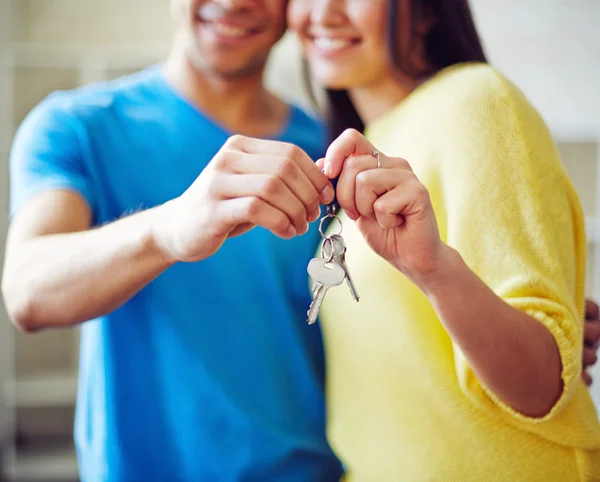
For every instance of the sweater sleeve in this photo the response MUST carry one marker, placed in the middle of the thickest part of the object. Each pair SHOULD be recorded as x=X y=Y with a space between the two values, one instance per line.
x=513 y=215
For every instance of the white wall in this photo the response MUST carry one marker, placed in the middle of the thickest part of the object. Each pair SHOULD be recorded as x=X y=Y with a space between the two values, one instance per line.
x=99 y=22
x=551 y=49
x=5 y=330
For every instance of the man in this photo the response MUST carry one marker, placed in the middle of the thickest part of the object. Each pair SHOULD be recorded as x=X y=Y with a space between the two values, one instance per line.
x=199 y=364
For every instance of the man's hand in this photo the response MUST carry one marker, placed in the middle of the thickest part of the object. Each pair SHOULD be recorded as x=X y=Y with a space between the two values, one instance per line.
x=591 y=338
x=249 y=183
x=56 y=268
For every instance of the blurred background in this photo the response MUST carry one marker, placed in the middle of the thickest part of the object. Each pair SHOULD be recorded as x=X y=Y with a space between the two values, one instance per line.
x=550 y=48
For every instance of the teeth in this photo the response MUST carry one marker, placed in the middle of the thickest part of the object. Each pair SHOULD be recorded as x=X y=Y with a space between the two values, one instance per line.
x=230 y=31
x=326 y=43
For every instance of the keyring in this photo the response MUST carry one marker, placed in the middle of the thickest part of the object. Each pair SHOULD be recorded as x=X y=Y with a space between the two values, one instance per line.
x=326 y=217
x=328 y=238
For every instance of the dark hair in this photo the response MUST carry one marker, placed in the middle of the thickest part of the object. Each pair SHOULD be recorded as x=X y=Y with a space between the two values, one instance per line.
x=453 y=39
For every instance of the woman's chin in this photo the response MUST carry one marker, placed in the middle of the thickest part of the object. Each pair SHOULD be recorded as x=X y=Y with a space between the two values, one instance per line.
x=334 y=82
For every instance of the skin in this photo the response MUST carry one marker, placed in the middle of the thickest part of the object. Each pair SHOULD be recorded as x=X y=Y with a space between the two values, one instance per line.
x=56 y=264
x=345 y=45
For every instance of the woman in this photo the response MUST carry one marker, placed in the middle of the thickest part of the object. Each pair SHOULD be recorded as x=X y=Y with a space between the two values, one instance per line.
x=462 y=360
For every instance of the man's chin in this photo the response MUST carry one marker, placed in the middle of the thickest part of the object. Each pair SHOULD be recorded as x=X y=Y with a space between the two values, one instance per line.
x=233 y=72
x=231 y=63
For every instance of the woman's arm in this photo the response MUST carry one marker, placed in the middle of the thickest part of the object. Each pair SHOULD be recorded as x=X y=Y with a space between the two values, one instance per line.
x=516 y=329
x=511 y=353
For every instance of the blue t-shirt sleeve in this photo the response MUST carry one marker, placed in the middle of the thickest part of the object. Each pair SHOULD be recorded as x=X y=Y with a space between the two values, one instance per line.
x=47 y=153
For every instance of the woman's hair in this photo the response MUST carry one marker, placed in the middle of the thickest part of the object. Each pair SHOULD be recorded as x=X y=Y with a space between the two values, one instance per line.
x=452 y=39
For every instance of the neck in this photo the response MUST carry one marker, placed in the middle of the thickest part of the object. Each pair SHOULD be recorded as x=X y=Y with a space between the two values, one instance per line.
x=241 y=105
x=373 y=101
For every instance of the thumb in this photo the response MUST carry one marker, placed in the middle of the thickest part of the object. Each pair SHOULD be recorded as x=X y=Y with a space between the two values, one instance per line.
x=349 y=143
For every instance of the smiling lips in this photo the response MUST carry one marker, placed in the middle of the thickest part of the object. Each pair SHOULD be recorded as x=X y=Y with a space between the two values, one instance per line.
x=333 y=45
x=227 y=25
x=227 y=30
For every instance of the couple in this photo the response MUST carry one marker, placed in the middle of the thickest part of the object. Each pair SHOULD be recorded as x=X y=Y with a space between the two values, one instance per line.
x=463 y=359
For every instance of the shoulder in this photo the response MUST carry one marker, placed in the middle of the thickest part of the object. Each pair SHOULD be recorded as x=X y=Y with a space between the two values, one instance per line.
x=475 y=113
x=458 y=105
x=481 y=93
x=489 y=133
x=85 y=104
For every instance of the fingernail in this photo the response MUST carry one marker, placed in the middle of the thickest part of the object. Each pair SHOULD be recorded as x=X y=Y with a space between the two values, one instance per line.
x=290 y=232
x=352 y=215
x=305 y=229
x=327 y=194
x=314 y=215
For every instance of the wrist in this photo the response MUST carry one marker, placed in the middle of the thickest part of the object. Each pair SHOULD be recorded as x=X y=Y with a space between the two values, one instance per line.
x=158 y=239
x=445 y=272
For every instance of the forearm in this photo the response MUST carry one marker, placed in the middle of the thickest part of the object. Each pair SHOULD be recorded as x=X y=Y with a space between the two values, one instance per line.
x=511 y=353
x=64 y=279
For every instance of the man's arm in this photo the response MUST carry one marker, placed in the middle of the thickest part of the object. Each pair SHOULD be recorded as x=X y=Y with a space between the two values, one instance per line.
x=59 y=272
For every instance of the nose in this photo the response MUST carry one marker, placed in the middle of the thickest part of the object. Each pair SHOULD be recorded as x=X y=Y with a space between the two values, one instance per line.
x=328 y=12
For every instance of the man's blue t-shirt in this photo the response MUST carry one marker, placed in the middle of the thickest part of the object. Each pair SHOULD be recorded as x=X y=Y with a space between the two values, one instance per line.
x=210 y=373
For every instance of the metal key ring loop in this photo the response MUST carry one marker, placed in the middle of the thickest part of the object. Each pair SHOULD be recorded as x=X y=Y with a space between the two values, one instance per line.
x=326 y=217
x=325 y=240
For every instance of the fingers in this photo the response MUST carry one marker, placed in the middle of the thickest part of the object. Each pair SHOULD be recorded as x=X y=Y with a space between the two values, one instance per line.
x=410 y=200
x=282 y=169
x=346 y=186
x=241 y=229
x=592 y=311
x=374 y=183
x=349 y=143
x=589 y=357
x=587 y=378
x=591 y=333
x=286 y=152
x=361 y=182
x=388 y=208
x=256 y=212
x=270 y=189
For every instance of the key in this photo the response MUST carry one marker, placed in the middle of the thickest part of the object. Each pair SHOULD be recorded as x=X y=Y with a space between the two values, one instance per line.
x=339 y=257
x=326 y=242
x=324 y=275
x=326 y=253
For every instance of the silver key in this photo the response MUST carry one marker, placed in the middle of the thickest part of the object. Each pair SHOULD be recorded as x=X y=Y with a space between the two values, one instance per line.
x=324 y=274
x=329 y=257
x=339 y=257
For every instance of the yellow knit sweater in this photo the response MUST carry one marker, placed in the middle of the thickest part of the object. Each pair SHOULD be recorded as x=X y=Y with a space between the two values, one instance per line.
x=403 y=403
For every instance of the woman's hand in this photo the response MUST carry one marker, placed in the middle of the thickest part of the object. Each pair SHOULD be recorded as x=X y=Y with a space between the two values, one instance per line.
x=591 y=338
x=391 y=207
